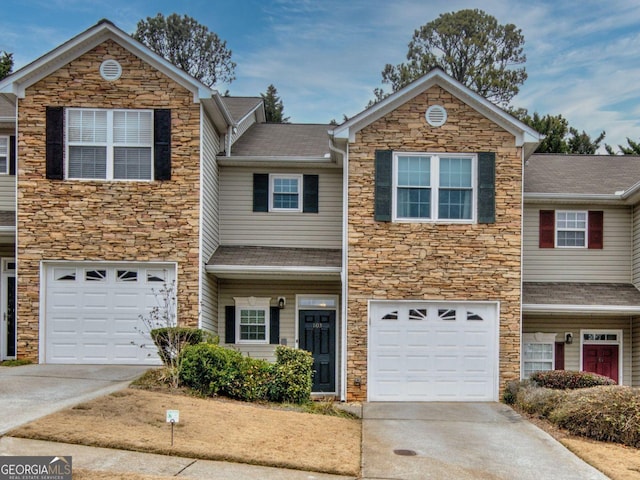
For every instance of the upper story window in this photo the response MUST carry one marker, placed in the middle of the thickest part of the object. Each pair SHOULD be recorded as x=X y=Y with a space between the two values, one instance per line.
x=4 y=154
x=571 y=229
x=109 y=144
x=285 y=193
x=430 y=187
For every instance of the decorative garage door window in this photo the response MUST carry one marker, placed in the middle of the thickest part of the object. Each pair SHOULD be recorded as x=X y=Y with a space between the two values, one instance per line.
x=127 y=275
x=95 y=275
x=433 y=351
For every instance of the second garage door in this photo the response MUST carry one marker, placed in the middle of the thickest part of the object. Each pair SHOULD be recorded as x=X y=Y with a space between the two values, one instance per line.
x=424 y=351
x=92 y=312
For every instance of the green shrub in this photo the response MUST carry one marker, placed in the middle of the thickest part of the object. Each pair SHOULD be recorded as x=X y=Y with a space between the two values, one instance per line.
x=292 y=376
x=568 y=379
x=171 y=340
x=609 y=413
x=251 y=380
x=209 y=368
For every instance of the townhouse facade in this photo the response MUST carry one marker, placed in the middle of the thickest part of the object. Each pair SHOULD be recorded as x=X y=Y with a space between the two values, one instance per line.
x=398 y=247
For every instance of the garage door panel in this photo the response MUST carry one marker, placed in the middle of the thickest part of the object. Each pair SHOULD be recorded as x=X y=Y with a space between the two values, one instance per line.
x=438 y=352
x=92 y=312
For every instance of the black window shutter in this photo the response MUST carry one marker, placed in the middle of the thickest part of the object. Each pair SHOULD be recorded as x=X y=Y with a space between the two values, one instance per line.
x=383 y=186
x=486 y=187
x=310 y=193
x=12 y=155
x=260 y=192
x=230 y=324
x=55 y=143
x=162 y=144
x=274 y=325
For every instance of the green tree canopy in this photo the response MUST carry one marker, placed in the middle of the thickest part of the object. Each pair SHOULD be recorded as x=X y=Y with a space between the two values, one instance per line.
x=633 y=148
x=273 y=106
x=472 y=47
x=189 y=45
x=560 y=137
x=6 y=64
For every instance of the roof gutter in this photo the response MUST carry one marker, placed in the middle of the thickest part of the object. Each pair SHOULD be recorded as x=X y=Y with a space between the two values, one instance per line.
x=574 y=197
x=599 y=309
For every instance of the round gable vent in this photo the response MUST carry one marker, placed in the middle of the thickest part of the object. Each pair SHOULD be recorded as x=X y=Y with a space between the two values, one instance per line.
x=110 y=70
x=436 y=115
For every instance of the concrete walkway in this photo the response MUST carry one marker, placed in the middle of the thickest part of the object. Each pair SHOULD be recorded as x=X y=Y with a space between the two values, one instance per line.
x=418 y=441
x=33 y=391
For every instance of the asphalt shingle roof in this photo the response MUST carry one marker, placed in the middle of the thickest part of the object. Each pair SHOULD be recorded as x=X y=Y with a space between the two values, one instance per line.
x=580 y=174
x=557 y=293
x=276 y=257
x=239 y=106
x=283 y=140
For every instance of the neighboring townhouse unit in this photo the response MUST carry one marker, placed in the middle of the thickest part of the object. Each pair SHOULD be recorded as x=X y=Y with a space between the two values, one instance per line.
x=581 y=306
x=393 y=246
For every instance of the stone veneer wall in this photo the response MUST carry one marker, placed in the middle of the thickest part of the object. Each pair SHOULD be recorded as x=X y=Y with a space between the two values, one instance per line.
x=98 y=220
x=427 y=261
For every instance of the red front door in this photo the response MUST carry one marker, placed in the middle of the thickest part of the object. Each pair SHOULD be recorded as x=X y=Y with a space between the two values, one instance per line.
x=601 y=359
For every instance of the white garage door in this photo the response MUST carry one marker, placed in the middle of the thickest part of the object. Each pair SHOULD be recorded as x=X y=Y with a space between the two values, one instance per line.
x=92 y=312
x=423 y=351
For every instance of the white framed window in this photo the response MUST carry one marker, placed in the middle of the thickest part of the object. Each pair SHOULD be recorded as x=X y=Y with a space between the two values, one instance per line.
x=285 y=193
x=109 y=144
x=4 y=154
x=252 y=319
x=571 y=229
x=538 y=353
x=434 y=187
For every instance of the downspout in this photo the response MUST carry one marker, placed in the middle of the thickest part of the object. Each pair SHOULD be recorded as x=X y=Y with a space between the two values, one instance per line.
x=343 y=271
x=227 y=147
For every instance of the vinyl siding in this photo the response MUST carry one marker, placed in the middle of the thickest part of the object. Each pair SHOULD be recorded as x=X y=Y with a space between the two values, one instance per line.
x=8 y=193
x=560 y=324
x=210 y=231
x=635 y=359
x=636 y=246
x=274 y=289
x=239 y=225
x=609 y=265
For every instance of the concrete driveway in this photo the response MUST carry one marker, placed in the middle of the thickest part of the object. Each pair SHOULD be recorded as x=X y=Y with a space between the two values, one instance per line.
x=32 y=391
x=417 y=441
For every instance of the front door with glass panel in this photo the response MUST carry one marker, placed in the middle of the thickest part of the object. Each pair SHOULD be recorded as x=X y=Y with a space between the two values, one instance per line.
x=8 y=310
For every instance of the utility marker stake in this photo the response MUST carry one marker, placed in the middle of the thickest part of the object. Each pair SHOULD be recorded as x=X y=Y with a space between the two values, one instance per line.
x=173 y=417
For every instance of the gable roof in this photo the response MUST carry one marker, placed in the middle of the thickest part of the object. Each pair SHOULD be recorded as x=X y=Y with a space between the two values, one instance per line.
x=283 y=140
x=525 y=136
x=17 y=83
x=579 y=175
x=240 y=107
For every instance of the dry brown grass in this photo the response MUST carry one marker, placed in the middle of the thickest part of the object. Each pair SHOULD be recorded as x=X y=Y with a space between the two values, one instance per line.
x=209 y=429
x=82 y=474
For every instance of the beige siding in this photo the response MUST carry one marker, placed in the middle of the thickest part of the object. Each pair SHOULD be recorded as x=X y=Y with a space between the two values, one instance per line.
x=561 y=324
x=636 y=246
x=274 y=289
x=8 y=193
x=239 y=225
x=210 y=225
x=635 y=358
x=611 y=264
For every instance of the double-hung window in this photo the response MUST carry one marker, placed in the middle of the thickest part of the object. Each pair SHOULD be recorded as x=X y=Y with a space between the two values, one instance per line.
x=432 y=187
x=4 y=154
x=252 y=316
x=109 y=144
x=538 y=353
x=285 y=193
x=571 y=229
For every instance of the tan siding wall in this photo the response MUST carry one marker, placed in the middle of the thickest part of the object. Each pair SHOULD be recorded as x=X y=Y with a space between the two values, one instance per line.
x=210 y=223
x=560 y=324
x=8 y=193
x=239 y=225
x=274 y=289
x=610 y=264
x=97 y=220
x=426 y=260
x=636 y=246
x=635 y=345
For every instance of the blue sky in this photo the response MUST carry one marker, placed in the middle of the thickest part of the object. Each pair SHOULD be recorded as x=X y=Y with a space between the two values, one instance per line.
x=325 y=57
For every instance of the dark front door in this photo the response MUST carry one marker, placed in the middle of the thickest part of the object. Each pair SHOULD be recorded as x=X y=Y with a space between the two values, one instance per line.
x=317 y=330
x=601 y=359
x=10 y=317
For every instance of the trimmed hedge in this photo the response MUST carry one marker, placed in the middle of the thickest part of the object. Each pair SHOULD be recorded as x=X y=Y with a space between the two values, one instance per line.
x=214 y=370
x=569 y=379
x=171 y=340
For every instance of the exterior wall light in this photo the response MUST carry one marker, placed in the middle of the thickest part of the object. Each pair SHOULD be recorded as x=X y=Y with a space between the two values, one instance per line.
x=281 y=302
x=568 y=338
